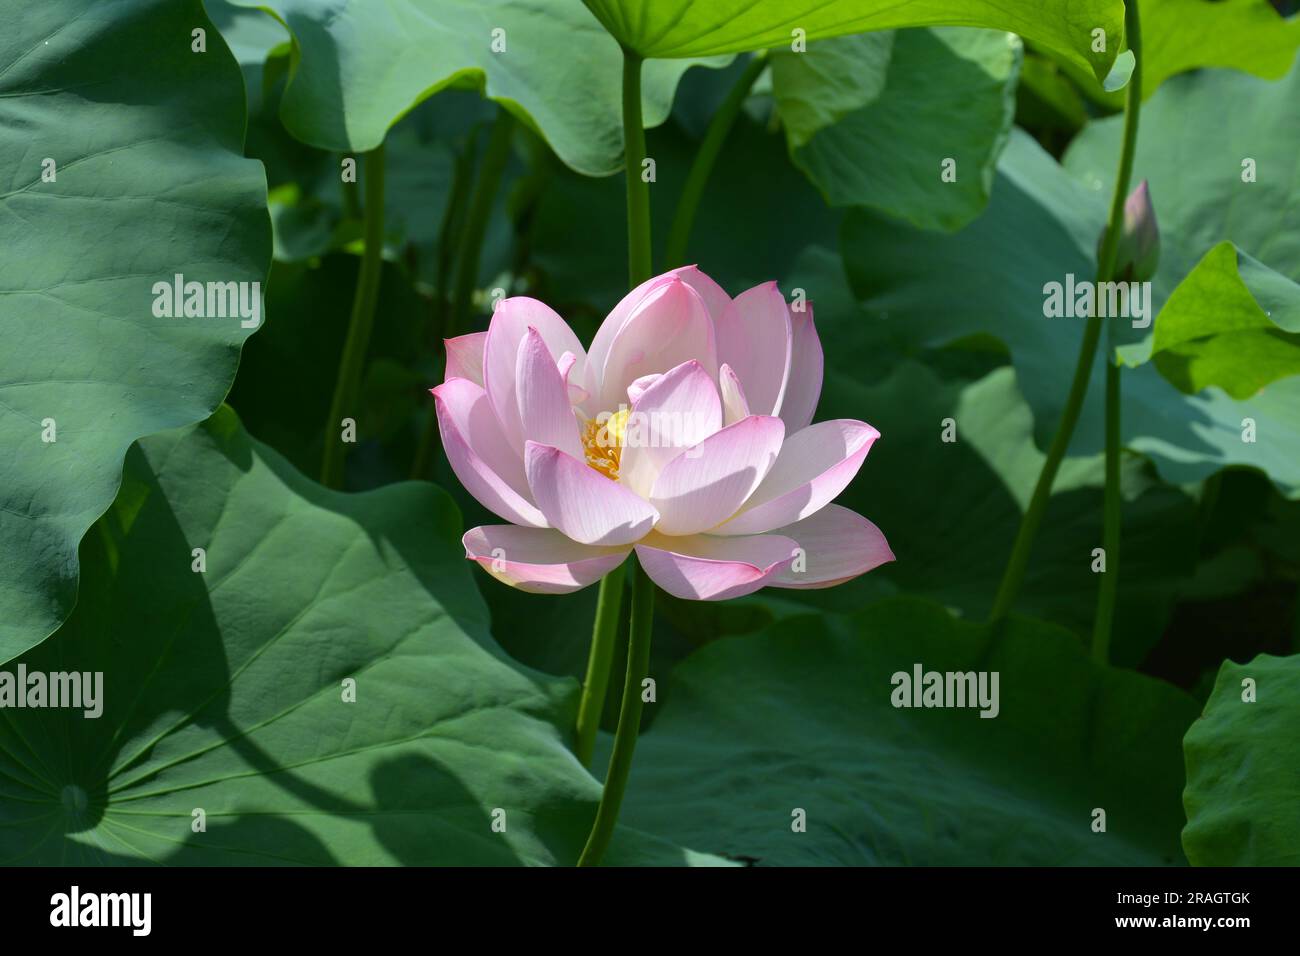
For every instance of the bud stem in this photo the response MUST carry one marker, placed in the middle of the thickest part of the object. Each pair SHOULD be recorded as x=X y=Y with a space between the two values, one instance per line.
x=1014 y=575
x=1108 y=589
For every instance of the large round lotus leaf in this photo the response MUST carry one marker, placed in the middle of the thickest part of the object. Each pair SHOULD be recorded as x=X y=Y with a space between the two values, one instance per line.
x=289 y=675
x=122 y=150
x=796 y=726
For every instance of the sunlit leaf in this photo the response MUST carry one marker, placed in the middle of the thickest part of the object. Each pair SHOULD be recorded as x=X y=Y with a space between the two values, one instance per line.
x=1233 y=322
x=1088 y=32
x=910 y=122
x=360 y=67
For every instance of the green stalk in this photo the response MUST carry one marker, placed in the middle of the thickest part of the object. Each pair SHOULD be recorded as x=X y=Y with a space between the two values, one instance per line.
x=1033 y=517
x=455 y=319
x=629 y=718
x=1014 y=574
x=640 y=267
x=1107 y=593
x=452 y=225
x=452 y=218
x=599 y=661
x=495 y=157
x=639 y=264
x=705 y=159
x=361 y=321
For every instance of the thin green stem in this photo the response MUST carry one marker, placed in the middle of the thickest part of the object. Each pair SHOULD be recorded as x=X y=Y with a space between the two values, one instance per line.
x=639 y=268
x=455 y=316
x=1132 y=111
x=1033 y=517
x=495 y=157
x=453 y=217
x=629 y=717
x=604 y=634
x=449 y=230
x=1108 y=589
x=639 y=262
x=705 y=159
x=361 y=321
x=1013 y=576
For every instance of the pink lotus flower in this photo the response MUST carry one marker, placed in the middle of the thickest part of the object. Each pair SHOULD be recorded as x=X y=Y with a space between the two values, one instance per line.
x=682 y=434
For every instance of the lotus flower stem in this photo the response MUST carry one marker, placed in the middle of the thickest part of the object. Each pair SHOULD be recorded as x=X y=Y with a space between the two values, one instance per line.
x=639 y=261
x=1013 y=576
x=639 y=268
x=705 y=158
x=629 y=717
x=1112 y=517
x=495 y=157
x=604 y=634
x=360 y=322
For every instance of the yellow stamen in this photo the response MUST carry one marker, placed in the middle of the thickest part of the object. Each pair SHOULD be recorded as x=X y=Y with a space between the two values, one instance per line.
x=603 y=442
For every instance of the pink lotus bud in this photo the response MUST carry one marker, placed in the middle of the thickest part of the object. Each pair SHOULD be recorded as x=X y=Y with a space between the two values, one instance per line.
x=1139 y=242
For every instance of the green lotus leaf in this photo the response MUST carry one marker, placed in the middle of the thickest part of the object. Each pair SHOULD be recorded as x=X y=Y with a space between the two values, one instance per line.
x=1086 y=32
x=787 y=747
x=123 y=149
x=910 y=122
x=1233 y=322
x=1243 y=768
x=289 y=675
x=358 y=68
